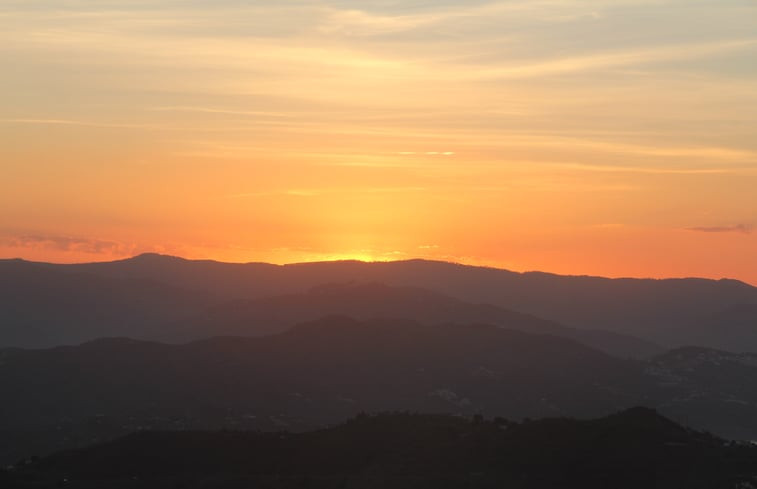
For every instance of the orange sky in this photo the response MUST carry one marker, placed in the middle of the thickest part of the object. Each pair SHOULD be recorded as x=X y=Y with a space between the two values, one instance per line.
x=596 y=137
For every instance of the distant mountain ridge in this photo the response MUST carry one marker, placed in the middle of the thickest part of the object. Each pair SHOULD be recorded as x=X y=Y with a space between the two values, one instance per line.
x=45 y=306
x=365 y=301
x=661 y=311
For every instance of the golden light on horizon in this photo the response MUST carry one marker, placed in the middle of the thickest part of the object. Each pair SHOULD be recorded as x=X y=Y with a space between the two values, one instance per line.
x=525 y=135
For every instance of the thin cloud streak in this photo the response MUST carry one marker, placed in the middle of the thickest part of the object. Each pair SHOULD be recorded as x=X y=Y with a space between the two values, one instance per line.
x=614 y=59
x=327 y=191
x=68 y=244
x=66 y=122
x=738 y=228
x=214 y=110
x=654 y=170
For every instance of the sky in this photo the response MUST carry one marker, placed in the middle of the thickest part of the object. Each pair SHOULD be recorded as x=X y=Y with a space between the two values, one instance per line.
x=602 y=137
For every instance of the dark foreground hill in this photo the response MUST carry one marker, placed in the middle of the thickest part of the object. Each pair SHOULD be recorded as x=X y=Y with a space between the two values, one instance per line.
x=634 y=449
x=662 y=311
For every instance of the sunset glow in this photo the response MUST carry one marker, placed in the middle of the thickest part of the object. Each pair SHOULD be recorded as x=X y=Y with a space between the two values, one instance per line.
x=604 y=137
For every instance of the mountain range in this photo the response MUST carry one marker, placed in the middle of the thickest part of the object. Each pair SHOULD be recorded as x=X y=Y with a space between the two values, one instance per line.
x=89 y=352
x=151 y=291
x=325 y=371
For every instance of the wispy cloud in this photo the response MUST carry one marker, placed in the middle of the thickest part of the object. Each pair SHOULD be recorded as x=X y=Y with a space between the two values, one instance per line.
x=68 y=122
x=67 y=243
x=615 y=59
x=315 y=192
x=654 y=169
x=217 y=110
x=628 y=148
x=275 y=193
x=738 y=228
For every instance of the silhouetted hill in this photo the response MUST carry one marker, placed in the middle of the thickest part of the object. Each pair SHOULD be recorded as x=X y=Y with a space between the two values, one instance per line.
x=657 y=310
x=43 y=306
x=630 y=450
x=328 y=370
x=317 y=373
x=369 y=301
